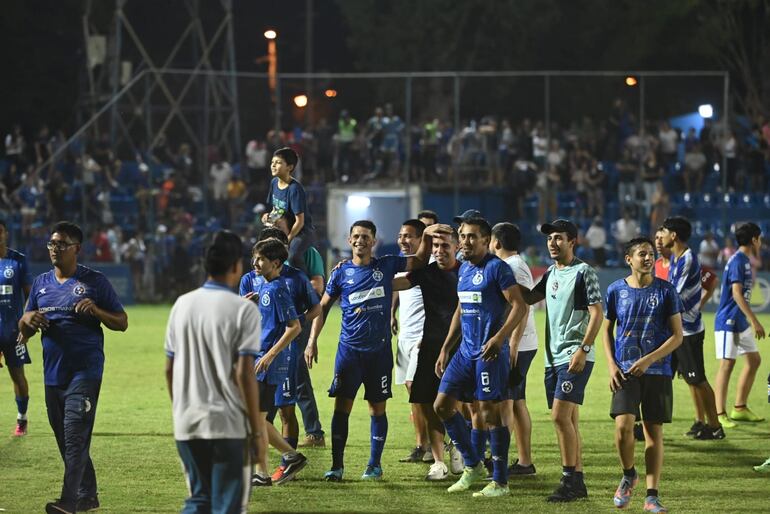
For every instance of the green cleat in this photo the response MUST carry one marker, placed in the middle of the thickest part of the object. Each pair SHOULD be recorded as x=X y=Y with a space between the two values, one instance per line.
x=492 y=490
x=745 y=415
x=726 y=422
x=469 y=476
x=764 y=467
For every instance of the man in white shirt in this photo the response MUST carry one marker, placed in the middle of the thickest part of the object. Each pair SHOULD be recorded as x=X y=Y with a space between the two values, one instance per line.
x=212 y=339
x=708 y=251
x=596 y=237
x=505 y=244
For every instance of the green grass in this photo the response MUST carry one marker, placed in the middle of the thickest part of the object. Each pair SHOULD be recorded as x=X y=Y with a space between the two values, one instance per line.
x=138 y=469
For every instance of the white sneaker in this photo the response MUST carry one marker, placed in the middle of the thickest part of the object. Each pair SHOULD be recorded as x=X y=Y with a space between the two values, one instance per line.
x=456 y=463
x=438 y=471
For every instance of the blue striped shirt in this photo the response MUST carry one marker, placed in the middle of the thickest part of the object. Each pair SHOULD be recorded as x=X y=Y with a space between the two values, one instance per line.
x=684 y=273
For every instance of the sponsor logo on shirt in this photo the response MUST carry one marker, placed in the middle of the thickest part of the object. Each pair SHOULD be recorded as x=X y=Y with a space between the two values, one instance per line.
x=6 y=289
x=478 y=278
x=469 y=296
x=471 y=311
x=8 y=272
x=369 y=294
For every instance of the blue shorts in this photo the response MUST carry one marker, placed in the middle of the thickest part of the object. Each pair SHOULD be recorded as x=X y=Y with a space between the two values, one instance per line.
x=523 y=362
x=468 y=380
x=372 y=369
x=562 y=385
x=286 y=392
x=15 y=354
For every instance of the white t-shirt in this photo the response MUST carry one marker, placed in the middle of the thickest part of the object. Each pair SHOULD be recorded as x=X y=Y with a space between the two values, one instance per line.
x=208 y=329
x=524 y=277
x=708 y=253
x=668 y=140
x=411 y=316
x=596 y=237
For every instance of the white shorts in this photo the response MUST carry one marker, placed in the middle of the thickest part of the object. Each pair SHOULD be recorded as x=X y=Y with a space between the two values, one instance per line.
x=406 y=360
x=730 y=345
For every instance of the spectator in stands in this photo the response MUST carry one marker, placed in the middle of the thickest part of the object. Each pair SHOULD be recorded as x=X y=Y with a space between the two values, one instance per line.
x=726 y=252
x=539 y=146
x=101 y=245
x=43 y=145
x=236 y=198
x=55 y=193
x=627 y=172
x=221 y=172
x=661 y=206
x=27 y=197
x=344 y=149
x=730 y=152
x=626 y=228
x=11 y=179
x=257 y=160
x=756 y=160
x=392 y=133
x=15 y=146
x=652 y=175
x=595 y=191
x=708 y=252
x=669 y=139
x=694 y=167
x=547 y=185
x=596 y=237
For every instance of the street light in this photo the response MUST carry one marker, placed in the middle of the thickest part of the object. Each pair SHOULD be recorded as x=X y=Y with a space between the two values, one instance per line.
x=330 y=93
x=631 y=81
x=270 y=34
x=300 y=101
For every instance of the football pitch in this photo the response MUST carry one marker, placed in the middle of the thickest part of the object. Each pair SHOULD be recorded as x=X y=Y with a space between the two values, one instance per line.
x=138 y=469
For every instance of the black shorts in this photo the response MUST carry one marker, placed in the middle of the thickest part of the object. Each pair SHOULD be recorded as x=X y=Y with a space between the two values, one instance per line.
x=523 y=361
x=266 y=396
x=688 y=359
x=425 y=383
x=653 y=392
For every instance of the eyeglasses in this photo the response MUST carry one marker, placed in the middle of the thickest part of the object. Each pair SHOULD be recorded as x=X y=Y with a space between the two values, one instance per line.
x=59 y=245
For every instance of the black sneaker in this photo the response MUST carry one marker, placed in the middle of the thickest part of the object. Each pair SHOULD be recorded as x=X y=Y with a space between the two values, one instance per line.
x=87 y=504
x=291 y=468
x=258 y=480
x=580 y=487
x=710 y=434
x=58 y=507
x=519 y=470
x=565 y=492
x=415 y=456
x=638 y=432
x=695 y=428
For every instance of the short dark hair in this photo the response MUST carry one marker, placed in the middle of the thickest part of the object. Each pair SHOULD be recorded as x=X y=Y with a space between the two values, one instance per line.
x=3 y=223
x=680 y=225
x=288 y=155
x=69 y=229
x=223 y=253
x=417 y=225
x=275 y=233
x=483 y=225
x=509 y=236
x=628 y=247
x=365 y=224
x=746 y=233
x=428 y=214
x=272 y=249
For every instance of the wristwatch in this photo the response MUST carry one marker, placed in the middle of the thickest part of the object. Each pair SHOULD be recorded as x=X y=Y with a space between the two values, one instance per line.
x=586 y=347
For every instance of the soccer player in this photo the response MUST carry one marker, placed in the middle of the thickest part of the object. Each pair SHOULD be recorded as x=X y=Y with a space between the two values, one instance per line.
x=287 y=196
x=438 y=281
x=572 y=296
x=306 y=304
x=68 y=305
x=647 y=311
x=212 y=340
x=409 y=328
x=280 y=326
x=364 y=355
x=505 y=244
x=684 y=272
x=15 y=285
x=737 y=327
x=479 y=370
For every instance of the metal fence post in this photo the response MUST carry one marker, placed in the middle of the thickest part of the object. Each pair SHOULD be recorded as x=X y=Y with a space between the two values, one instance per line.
x=408 y=139
x=725 y=132
x=456 y=132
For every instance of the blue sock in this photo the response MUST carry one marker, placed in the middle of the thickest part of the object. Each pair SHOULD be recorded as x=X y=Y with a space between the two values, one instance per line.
x=291 y=441
x=339 y=438
x=461 y=438
x=379 y=430
x=21 y=405
x=500 y=440
x=479 y=441
x=469 y=424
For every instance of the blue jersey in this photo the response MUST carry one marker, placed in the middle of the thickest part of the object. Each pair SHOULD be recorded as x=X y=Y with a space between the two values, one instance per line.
x=73 y=344
x=289 y=201
x=14 y=277
x=642 y=316
x=301 y=290
x=483 y=306
x=684 y=273
x=366 y=296
x=737 y=271
x=276 y=309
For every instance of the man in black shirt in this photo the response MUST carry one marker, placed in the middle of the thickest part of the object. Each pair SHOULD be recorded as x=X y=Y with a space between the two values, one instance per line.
x=438 y=282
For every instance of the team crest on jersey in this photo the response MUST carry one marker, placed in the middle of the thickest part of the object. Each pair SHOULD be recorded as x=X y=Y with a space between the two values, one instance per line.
x=566 y=387
x=265 y=299
x=478 y=278
x=79 y=290
x=623 y=293
x=377 y=275
x=653 y=301
x=8 y=272
x=554 y=286
x=350 y=272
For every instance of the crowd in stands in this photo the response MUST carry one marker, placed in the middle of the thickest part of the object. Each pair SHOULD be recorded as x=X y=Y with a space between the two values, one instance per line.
x=151 y=209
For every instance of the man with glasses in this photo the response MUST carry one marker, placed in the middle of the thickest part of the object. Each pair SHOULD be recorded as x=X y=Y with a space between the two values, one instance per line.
x=68 y=305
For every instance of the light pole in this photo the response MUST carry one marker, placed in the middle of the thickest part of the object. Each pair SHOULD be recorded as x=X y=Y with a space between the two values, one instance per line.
x=272 y=75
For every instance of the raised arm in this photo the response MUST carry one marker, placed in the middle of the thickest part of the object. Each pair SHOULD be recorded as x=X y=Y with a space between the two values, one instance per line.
x=421 y=258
